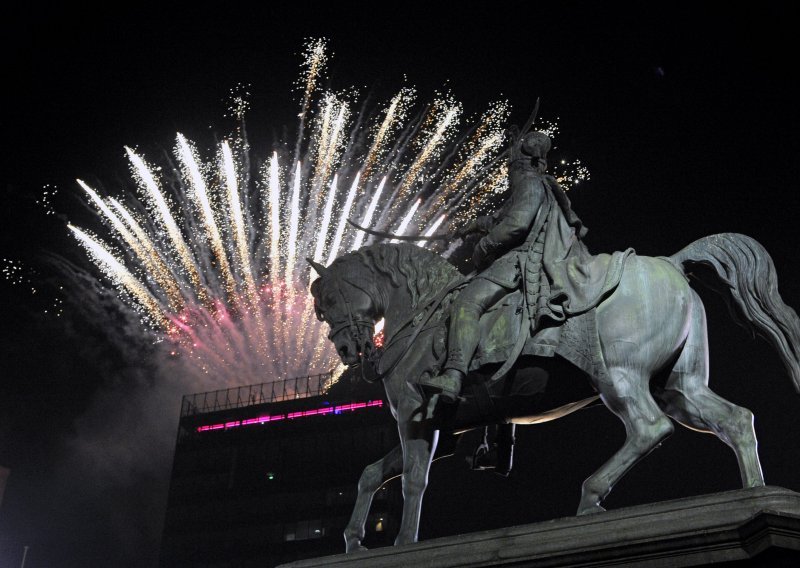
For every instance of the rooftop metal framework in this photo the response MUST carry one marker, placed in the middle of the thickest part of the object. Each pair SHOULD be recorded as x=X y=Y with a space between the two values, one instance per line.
x=238 y=397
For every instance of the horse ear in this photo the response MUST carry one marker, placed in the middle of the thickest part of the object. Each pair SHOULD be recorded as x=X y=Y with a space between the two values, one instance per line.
x=321 y=270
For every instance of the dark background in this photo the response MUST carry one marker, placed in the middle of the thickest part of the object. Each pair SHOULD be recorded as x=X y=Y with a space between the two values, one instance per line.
x=686 y=116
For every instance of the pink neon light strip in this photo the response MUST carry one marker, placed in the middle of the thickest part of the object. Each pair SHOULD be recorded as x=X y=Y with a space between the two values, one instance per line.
x=292 y=415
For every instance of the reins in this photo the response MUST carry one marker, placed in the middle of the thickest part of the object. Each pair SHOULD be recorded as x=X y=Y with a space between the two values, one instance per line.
x=431 y=308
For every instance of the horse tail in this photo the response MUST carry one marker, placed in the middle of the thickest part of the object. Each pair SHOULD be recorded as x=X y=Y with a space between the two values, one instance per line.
x=743 y=273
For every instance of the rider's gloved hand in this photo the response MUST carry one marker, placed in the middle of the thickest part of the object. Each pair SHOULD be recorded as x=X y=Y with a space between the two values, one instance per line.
x=483 y=255
x=482 y=224
x=470 y=227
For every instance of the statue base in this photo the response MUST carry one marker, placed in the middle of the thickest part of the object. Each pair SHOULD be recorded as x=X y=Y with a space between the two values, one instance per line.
x=758 y=526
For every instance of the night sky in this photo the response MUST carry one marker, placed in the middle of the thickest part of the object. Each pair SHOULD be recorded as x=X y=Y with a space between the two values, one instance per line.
x=687 y=118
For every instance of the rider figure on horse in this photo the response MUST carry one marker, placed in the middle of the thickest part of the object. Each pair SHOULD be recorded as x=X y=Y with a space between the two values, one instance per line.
x=511 y=255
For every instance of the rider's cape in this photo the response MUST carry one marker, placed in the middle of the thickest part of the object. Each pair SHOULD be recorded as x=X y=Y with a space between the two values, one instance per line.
x=577 y=280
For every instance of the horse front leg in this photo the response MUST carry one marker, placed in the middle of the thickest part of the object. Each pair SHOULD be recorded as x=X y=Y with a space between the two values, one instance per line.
x=419 y=439
x=374 y=475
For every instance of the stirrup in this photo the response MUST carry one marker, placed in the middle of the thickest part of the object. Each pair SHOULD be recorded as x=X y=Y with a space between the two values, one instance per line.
x=484 y=457
x=491 y=458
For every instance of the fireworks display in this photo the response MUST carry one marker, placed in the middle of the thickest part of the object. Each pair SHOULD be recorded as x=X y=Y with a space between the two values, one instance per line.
x=210 y=249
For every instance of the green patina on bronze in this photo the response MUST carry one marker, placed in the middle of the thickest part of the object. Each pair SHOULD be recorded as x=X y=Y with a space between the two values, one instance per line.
x=621 y=318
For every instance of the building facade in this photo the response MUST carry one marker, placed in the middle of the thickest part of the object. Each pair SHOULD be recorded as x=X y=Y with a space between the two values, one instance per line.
x=267 y=474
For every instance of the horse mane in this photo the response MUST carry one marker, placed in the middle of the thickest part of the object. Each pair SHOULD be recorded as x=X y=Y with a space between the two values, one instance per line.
x=425 y=272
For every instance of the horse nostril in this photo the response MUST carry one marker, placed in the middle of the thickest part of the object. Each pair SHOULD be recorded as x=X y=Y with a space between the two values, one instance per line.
x=343 y=351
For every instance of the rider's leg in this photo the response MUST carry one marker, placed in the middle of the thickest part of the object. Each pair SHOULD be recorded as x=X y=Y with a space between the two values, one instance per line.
x=464 y=334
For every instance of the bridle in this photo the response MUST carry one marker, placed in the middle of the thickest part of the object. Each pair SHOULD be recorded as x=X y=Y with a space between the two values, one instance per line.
x=354 y=324
x=351 y=321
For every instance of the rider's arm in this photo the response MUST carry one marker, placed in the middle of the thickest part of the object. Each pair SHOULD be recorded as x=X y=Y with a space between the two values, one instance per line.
x=485 y=223
x=482 y=224
x=516 y=220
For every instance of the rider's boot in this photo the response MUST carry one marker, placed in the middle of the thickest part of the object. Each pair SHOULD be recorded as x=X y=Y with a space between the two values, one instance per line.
x=462 y=340
x=448 y=383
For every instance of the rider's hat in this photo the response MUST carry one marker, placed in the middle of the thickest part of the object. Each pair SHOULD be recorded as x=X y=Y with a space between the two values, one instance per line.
x=536 y=144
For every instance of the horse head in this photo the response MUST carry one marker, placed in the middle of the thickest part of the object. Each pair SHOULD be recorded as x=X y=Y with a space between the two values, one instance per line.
x=342 y=300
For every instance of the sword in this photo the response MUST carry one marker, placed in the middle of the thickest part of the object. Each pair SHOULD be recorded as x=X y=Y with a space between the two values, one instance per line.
x=515 y=134
x=527 y=126
x=436 y=237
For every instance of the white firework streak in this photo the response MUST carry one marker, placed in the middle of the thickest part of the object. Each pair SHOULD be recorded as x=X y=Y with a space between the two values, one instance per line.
x=373 y=204
x=294 y=224
x=401 y=230
x=322 y=236
x=155 y=197
x=199 y=195
x=432 y=230
x=431 y=148
x=318 y=252
x=151 y=262
x=398 y=108
x=328 y=147
x=160 y=271
x=111 y=216
x=329 y=107
x=213 y=259
x=348 y=204
x=118 y=274
x=314 y=60
x=237 y=218
x=476 y=154
x=274 y=215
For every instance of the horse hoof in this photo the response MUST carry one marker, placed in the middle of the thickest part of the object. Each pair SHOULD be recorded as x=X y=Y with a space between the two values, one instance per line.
x=588 y=510
x=353 y=545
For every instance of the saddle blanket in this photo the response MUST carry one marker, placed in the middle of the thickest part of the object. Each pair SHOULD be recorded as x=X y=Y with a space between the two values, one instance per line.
x=575 y=339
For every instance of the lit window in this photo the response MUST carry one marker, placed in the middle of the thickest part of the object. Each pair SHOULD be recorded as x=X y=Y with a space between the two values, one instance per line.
x=304 y=530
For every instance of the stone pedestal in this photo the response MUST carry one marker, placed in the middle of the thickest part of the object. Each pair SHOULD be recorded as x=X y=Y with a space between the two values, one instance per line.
x=758 y=527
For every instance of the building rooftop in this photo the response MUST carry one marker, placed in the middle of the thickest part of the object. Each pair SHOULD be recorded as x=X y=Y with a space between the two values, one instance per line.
x=251 y=395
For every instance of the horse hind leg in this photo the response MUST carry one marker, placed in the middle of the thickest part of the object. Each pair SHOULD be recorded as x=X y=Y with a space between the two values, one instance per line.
x=628 y=396
x=703 y=410
x=687 y=398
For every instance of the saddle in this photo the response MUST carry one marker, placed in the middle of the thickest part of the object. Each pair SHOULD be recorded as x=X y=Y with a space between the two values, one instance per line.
x=506 y=326
x=575 y=339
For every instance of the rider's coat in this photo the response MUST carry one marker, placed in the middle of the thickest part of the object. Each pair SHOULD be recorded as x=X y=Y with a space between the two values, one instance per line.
x=534 y=241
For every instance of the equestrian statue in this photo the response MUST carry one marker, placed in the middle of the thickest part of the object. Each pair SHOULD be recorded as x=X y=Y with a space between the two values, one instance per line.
x=472 y=352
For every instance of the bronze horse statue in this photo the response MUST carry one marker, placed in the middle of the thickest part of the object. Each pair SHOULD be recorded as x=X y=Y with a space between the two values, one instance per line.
x=652 y=338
